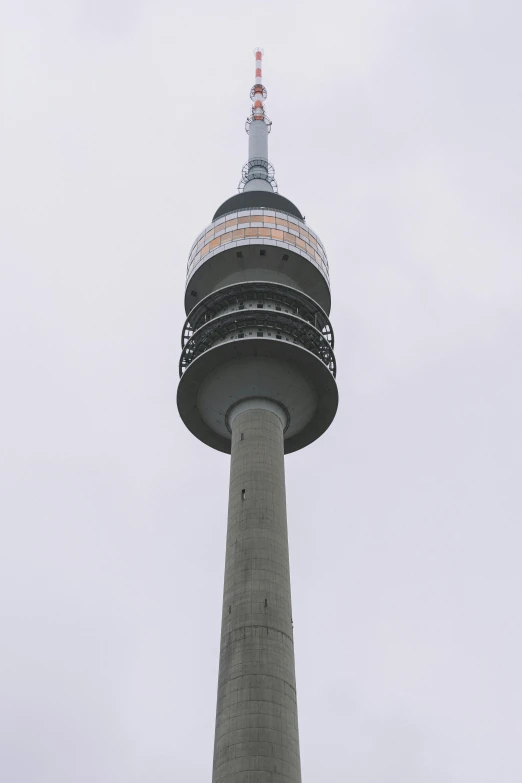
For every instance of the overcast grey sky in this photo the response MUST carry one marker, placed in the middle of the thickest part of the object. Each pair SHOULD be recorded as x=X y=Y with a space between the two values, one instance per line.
x=397 y=131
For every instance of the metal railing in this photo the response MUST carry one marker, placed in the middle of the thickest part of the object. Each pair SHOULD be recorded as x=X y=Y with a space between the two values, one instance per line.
x=257 y=324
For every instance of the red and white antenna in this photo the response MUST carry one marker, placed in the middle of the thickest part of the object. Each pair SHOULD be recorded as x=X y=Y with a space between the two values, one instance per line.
x=258 y=92
x=258 y=173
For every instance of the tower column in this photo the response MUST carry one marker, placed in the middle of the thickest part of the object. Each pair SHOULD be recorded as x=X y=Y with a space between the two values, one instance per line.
x=256 y=723
x=257 y=380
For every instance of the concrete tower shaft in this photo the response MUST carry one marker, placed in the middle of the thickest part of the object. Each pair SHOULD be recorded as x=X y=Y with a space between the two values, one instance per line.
x=257 y=380
x=256 y=719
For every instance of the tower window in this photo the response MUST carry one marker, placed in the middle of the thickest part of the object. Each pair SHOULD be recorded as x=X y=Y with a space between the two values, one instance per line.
x=239 y=254
x=243 y=494
x=285 y=257
x=278 y=308
x=262 y=252
x=260 y=306
x=241 y=334
x=260 y=334
x=278 y=336
x=241 y=307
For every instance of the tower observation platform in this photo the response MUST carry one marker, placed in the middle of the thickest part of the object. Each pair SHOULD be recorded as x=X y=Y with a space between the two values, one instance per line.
x=257 y=380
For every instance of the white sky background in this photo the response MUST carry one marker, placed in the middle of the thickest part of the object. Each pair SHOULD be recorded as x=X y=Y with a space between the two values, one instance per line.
x=397 y=131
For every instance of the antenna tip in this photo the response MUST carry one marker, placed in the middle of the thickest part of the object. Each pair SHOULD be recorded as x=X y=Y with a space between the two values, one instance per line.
x=258 y=49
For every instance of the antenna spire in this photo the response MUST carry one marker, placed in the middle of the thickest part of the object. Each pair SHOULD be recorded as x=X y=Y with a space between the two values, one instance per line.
x=258 y=172
x=258 y=92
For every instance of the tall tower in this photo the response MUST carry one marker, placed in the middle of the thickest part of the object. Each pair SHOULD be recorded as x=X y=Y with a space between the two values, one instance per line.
x=257 y=382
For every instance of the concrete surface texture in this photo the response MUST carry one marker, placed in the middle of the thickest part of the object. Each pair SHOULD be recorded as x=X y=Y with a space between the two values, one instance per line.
x=256 y=723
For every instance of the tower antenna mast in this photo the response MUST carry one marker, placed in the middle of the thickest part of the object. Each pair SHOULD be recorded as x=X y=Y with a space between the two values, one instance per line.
x=258 y=173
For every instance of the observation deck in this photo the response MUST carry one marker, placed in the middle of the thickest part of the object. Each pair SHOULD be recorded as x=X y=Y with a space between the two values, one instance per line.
x=257 y=301
x=261 y=244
